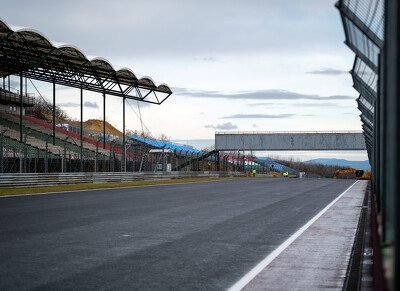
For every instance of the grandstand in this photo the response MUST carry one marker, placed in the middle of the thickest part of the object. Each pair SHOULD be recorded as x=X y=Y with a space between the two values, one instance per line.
x=28 y=54
x=37 y=142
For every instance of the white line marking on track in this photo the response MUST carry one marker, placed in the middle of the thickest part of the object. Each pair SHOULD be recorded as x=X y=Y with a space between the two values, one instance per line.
x=246 y=279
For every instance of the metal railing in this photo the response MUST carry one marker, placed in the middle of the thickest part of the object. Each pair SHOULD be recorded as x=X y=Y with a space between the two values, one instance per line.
x=37 y=180
x=29 y=99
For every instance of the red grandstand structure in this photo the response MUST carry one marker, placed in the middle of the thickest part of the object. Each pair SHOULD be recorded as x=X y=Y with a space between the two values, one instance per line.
x=30 y=55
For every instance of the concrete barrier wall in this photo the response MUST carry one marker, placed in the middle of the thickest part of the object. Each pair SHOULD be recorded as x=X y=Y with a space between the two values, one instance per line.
x=289 y=141
x=41 y=179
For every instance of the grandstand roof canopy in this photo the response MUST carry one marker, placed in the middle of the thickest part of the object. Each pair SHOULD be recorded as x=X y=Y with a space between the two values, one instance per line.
x=160 y=144
x=29 y=52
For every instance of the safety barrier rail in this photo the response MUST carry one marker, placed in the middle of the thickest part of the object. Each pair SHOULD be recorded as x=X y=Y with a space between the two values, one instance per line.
x=38 y=179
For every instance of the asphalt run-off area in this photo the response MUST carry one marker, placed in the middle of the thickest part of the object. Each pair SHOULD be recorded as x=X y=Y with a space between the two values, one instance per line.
x=194 y=236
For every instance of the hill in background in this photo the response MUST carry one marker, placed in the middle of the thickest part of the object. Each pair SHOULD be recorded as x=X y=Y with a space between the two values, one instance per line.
x=341 y=163
x=97 y=125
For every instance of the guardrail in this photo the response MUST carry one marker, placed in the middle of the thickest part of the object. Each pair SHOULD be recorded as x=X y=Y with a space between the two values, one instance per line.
x=42 y=179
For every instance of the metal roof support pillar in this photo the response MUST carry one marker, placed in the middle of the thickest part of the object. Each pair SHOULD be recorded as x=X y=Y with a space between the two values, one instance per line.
x=21 y=109
x=104 y=120
x=391 y=147
x=81 y=149
x=123 y=168
x=54 y=112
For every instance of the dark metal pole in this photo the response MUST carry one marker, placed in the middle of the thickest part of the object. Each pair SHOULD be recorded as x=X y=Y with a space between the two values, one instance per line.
x=81 y=149
x=111 y=149
x=46 y=166
x=97 y=156
x=123 y=168
x=1 y=149
x=21 y=109
x=391 y=123
x=104 y=120
x=54 y=112
x=25 y=151
x=64 y=168
x=133 y=159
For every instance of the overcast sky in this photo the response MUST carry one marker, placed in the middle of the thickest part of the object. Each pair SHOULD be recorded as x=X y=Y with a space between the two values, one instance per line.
x=268 y=65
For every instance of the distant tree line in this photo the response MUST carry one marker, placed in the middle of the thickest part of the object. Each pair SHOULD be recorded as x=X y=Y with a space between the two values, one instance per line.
x=316 y=168
x=43 y=108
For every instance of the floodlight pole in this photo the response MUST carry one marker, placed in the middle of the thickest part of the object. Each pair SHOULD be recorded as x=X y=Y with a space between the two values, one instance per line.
x=21 y=109
x=123 y=168
x=81 y=161
x=54 y=112
x=104 y=120
x=123 y=120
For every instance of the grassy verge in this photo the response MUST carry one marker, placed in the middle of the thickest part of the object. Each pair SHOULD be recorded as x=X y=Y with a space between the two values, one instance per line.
x=75 y=187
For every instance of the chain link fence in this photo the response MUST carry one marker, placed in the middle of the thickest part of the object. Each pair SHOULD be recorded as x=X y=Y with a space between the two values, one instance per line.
x=17 y=157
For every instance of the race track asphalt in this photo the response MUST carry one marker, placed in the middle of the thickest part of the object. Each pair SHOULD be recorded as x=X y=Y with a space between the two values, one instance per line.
x=195 y=236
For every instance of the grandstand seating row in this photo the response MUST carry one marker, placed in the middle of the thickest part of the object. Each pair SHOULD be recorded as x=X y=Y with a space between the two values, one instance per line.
x=37 y=139
x=62 y=133
x=32 y=141
x=34 y=125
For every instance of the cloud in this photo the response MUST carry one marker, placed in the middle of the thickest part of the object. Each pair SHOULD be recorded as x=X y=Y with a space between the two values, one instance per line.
x=328 y=71
x=208 y=59
x=298 y=104
x=257 y=95
x=86 y=104
x=267 y=116
x=230 y=26
x=223 y=126
x=68 y=104
x=91 y=104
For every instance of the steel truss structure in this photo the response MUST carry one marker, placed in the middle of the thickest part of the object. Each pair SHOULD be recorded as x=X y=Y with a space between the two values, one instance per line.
x=363 y=23
x=372 y=31
x=29 y=52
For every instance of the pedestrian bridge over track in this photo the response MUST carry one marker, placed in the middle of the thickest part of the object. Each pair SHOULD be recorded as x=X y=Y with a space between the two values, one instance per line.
x=289 y=141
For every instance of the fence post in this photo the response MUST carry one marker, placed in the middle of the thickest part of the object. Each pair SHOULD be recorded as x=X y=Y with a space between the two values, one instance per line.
x=1 y=149
x=134 y=159
x=191 y=167
x=225 y=163
x=25 y=150
x=218 y=162
x=46 y=153
x=142 y=161
x=112 y=156
x=64 y=158
x=179 y=159
x=96 y=161
x=123 y=161
x=81 y=152
x=36 y=159
x=187 y=161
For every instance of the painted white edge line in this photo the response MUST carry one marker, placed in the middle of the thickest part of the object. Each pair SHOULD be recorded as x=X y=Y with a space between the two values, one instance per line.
x=239 y=285
x=99 y=189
